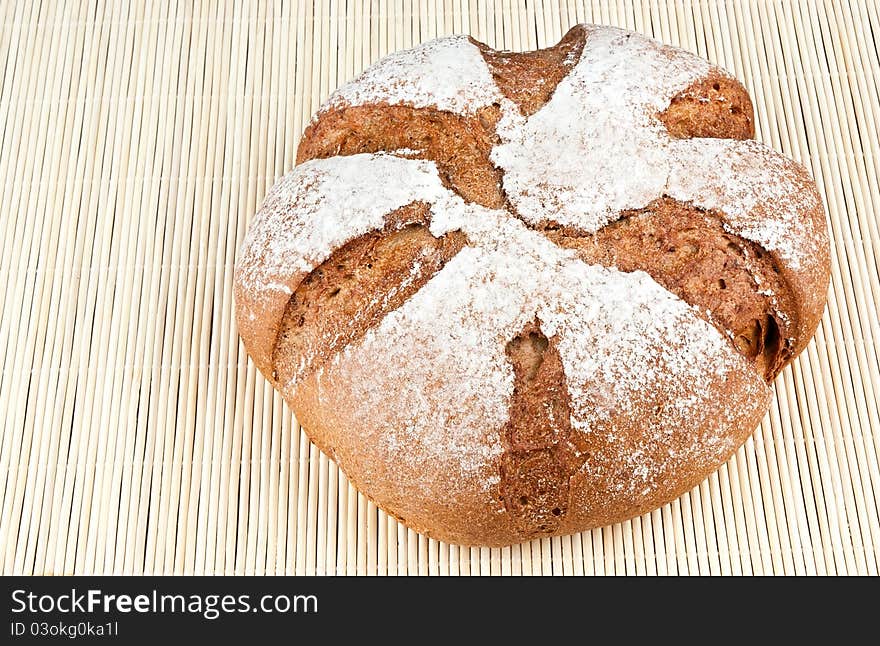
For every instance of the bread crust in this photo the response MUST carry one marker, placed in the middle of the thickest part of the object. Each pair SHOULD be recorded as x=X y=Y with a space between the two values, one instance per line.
x=485 y=359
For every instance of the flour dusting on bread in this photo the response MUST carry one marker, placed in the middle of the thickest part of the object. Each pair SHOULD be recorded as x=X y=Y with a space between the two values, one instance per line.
x=413 y=398
x=447 y=74
x=595 y=149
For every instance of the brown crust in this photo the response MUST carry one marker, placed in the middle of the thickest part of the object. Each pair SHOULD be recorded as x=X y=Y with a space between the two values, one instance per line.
x=541 y=451
x=357 y=286
x=546 y=467
x=717 y=106
x=460 y=146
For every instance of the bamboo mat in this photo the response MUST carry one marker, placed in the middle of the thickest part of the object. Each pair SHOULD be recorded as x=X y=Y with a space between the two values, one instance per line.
x=136 y=140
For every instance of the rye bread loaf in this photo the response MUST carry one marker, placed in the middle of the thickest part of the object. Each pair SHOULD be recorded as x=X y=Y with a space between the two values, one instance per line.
x=517 y=295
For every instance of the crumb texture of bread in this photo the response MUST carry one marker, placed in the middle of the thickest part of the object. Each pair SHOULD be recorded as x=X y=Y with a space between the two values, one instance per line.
x=519 y=295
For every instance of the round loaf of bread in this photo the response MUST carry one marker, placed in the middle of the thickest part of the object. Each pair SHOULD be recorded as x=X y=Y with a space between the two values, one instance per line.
x=517 y=295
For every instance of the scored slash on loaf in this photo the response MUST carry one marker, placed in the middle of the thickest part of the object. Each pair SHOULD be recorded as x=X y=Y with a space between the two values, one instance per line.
x=518 y=295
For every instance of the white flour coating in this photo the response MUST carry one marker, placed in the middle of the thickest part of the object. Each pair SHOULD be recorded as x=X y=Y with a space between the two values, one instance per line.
x=306 y=215
x=447 y=74
x=597 y=148
x=405 y=152
x=593 y=149
x=620 y=335
x=754 y=188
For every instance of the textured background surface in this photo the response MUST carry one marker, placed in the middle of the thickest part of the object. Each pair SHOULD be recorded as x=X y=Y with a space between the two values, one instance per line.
x=136 y=140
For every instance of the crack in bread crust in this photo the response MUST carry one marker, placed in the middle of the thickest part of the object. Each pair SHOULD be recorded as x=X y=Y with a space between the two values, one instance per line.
x=529 y=78
x=357 y=286
x=541 y=450
x=460 y=146
x=687 y=251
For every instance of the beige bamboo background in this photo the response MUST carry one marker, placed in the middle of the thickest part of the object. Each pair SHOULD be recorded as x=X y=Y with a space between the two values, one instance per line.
x=136 y=140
